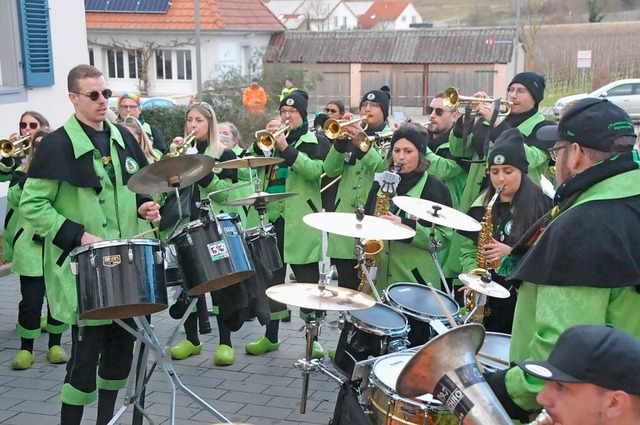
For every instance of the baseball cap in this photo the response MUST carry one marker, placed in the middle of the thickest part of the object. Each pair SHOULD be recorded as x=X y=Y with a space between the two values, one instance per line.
x=592 y=123
x=599 y=355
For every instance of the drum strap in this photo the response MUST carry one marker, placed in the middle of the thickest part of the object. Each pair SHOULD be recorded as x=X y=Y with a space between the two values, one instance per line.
x=348 y=410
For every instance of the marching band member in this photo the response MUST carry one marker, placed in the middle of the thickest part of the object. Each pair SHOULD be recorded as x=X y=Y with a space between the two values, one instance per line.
x=519 y=205
x=76 y=194
x=300 y=246
x=408 y=260
x=129 y=106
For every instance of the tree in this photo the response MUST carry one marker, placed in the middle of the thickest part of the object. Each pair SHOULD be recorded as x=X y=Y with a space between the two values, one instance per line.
x=594 y=8
x=531 y=22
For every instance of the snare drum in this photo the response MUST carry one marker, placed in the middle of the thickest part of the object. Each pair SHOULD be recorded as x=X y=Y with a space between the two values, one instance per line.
x=263 y=242
x=370 y=332
x=210 y=259
x=387 y=407
x=119 y=279
x=495 y=345
x=418 y=303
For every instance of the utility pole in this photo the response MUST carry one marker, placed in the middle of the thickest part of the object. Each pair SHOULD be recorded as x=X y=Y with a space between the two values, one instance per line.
x=516 y=41
x=198 y=53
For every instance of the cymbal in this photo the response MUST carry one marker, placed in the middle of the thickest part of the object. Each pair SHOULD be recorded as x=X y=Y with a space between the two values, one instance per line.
x=309 y=295
x=260 y=198
x=347 y=224
x=249 y=162
x=484 y=285
x=445 y=216
x=169 y=173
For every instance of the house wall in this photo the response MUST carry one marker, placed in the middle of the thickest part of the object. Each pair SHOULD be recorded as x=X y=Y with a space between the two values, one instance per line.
x=407 y=17
x=341 y=18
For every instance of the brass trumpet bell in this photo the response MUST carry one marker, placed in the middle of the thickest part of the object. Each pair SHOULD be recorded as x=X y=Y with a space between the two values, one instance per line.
x=188 y=142
x=266 y=140
x=15 y=148
x=333 y=128
x=380 y=141
x=452 y=100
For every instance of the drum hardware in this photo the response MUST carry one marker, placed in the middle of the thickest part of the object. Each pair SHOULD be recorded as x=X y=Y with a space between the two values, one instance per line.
x=171 y=173
x=452 y=100
x=446 y=367
x=148 y=339
x=249 y=162
x=358 y=226
x=360 y=249
x=443 y=215
x=480 y=281
x=260 y=198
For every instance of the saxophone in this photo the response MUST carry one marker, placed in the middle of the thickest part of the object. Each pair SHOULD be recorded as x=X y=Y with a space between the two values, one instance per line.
x=373 y=247
x=484 y=237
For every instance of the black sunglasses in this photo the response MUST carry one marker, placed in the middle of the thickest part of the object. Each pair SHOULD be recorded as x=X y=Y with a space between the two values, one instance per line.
x=330 y=111
x=439 y=111
x=95 y=95
x=32 y=125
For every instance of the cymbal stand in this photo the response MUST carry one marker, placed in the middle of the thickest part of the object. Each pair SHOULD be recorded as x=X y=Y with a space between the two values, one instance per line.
x=145 y=334
x=358 y=249
x=434 y=247
x=309 y=365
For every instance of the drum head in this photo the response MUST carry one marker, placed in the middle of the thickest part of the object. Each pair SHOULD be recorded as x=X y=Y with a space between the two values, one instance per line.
x=387 y=369
x=380 y=317
x=496 y=345
x=418 y=300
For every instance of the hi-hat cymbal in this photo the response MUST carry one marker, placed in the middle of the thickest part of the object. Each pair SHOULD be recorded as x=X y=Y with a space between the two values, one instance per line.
x=169 y=173
x=309 y=295
x=440 y=215
x=347 y=224
x=484 y=285
x=260 y=198
x=249 y=162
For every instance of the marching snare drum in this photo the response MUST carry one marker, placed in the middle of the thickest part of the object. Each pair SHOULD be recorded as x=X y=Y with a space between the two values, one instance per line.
x=418 y=303
x=263 y=241
x=495 y=345
x=120 y=278
x=372 y=331
x=212 y=258
x=171 y=268
x=387 y=407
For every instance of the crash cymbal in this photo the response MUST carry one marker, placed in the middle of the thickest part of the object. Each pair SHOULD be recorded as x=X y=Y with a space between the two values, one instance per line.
x=482 y=283
x=441 y=215
x=309 y=295
x=169 y=173
x=249 y=162
x=259 y=198
x=347 y=224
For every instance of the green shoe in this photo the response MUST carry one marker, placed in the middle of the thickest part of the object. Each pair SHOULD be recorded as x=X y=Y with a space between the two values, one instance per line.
x=261 y=345
x=225 y=356
x=332 y=352
x=43 y=323
x=57 y=355
x=185 y=349
x=317 y=352
x=23 y=360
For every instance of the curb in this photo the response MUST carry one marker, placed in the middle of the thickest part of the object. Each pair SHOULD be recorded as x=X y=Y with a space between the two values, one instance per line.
x=5 y=270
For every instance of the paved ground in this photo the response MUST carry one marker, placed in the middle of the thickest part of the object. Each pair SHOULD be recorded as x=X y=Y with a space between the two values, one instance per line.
x=262 y=390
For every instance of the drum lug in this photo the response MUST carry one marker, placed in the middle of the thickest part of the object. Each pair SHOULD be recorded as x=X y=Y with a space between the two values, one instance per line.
x=130 y=254
x=92 y=260
x=74 y=268
x=398 y=345
x=159 y=257
x=189 y=239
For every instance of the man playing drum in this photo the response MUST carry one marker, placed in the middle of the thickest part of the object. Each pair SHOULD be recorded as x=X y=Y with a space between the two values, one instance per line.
x=75 y=195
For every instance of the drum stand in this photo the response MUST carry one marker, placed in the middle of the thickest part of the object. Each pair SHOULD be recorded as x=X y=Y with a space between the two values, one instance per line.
x=358 y=249
x=146 y=335
x=434 y=247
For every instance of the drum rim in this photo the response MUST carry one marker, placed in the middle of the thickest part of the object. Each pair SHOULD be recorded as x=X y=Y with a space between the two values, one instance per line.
x=394 y=332
x=114 y=242
x=419 y=314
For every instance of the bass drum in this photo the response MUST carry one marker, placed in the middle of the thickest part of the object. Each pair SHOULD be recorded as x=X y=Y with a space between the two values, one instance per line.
x=370 y=332
x=212 y=258
x=388 y=408
x=119 y=279
x=421 y=307
x=497 y=346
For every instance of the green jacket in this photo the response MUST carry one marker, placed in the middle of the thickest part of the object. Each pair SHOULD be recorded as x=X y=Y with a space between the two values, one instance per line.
x=353 y=189
x=60 y=211
x=449 y=172
x=11 y=219
x=29 y=261
x=302 y=243
x=399 y=259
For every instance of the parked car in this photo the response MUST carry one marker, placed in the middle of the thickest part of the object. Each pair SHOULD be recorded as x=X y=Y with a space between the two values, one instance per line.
x=624 y=93
x=146 y=102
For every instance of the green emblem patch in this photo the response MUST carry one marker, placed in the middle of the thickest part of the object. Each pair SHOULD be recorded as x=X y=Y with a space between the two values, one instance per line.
x=131 y=165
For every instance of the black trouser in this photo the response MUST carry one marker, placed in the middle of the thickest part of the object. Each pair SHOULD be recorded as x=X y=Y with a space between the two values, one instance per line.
x=32 y=290
x=347 y=273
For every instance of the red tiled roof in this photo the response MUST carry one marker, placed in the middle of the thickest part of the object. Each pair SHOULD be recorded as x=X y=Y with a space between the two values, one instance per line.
x=382 y=11
x=214 y=14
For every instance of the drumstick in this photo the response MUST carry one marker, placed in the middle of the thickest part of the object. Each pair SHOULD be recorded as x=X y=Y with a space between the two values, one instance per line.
x=493 y=358
x=442 y=306
x=146 y=232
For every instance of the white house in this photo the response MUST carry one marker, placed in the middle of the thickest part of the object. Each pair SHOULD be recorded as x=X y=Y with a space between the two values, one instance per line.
x=314 y=15
x=390 y=15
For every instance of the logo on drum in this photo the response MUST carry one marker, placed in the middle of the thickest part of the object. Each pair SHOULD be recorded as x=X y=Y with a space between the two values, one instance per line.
x=218 y=250
x=111 y=260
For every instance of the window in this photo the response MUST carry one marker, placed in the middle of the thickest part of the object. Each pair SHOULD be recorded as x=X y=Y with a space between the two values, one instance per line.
x=115 y=63
x=344 y=22
x=403 y=18
x=621 y=90
x=135 y=63
x=37 y=56
x=183 y=59
x=414 y=19
x=163 y=65
x=91 y=59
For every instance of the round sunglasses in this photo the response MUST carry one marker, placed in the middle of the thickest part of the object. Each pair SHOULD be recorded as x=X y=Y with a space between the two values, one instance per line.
x=95 y=95
x=32 y=125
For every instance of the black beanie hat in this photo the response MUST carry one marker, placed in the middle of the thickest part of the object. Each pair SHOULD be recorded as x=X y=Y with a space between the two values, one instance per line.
x=410 y=132
x=533 y=82
x=297 y=99
x=382 y=97
x=509 y=150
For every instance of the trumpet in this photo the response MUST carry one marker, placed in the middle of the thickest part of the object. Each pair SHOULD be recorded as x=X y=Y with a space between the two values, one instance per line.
x=380 y=141
x=183 y=148
x=266 y=140
x=333 y=128
x=452 y=100
x=16 y=147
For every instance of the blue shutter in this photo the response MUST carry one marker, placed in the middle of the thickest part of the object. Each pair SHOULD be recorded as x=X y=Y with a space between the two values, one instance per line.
x=36 y=43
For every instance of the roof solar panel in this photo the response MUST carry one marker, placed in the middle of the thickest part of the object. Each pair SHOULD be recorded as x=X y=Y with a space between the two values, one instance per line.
x=127 y=6
x=95 y=5
x=122 y=6
x=153 y=6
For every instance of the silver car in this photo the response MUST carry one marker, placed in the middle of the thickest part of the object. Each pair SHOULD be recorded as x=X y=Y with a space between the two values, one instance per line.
x=624 y=93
